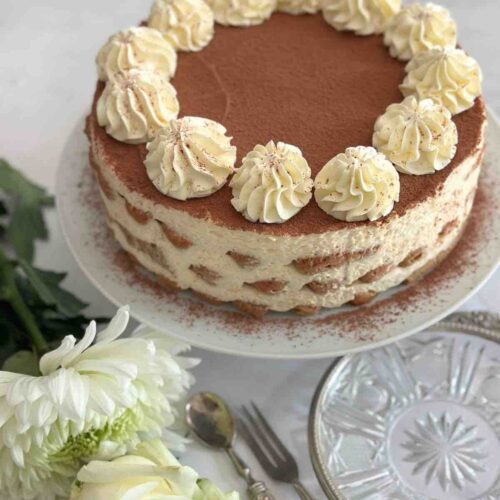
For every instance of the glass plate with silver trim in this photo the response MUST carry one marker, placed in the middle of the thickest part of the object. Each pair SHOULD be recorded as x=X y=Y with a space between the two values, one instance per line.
x=419 y=419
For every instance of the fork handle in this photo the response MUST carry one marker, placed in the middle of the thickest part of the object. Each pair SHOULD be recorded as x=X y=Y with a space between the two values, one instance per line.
x=301 y=491
x=257 y=490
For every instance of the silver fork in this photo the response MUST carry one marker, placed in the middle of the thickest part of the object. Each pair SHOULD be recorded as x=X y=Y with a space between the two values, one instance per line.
x=271 y=453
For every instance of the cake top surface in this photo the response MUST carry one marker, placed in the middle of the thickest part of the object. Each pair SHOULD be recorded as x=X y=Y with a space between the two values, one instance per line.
x=292 y=79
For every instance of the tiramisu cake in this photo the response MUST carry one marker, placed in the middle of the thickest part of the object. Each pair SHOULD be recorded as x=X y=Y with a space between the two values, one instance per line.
x=287 y=156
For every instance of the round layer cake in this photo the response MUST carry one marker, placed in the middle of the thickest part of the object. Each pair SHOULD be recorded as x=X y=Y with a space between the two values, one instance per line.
x=297 y=80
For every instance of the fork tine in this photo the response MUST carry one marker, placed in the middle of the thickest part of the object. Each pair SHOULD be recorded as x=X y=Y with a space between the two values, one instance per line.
x=254 y=446
x=264 y=438
x=276 y=440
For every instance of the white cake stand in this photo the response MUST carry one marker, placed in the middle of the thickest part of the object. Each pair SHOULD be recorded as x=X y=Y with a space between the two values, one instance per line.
x=330 y=333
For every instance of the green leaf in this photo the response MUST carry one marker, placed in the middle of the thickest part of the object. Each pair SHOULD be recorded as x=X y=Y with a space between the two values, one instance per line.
x=55 y=329
x=7 y=281
x=46 y=286
x=25 y=226
x=26 y=222
x=15 y=183
x=24 y=362
x=9 y=326
x=11 y=336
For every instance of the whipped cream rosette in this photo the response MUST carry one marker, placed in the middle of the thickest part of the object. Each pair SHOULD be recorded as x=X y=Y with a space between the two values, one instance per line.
x=273 y=183
x=448 y=76
x=188 y=24
x=297 y=7
x=357 y=185
x=417 y=28
x=242 y=12
x=191 y=158
x=246 y=243
x=364 y=17
x=418 y=137
x=135 y=104
x=138 y=47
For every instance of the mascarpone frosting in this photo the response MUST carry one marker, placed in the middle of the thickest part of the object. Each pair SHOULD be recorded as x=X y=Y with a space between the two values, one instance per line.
x=364 y=17
x=191 y=158
x=242 y=12
x=417 y=28
x=188 y=24
x=418 y=137
x=273 y=183
x=357 y=185
x=297 y=7
x=448 y=76
x=137 y=47
x=135 y=104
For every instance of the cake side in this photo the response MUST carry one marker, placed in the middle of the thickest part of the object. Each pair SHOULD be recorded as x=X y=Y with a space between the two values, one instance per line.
x=208 y=179
x=282 y=273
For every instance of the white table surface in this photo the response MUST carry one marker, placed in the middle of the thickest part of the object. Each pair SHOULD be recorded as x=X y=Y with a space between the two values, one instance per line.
x=47 y=78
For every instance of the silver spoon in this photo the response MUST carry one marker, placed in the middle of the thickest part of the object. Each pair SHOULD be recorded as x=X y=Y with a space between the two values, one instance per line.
x=210 y=419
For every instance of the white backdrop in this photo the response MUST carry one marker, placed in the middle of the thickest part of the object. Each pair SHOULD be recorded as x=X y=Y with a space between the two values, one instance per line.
x=47 y=78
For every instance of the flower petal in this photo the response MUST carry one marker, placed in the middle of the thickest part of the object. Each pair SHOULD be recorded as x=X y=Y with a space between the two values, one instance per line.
x=52 y=360
x=116 y=326
x=86 y=342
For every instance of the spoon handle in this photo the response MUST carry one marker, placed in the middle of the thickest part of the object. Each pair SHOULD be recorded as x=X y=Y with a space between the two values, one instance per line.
x=257 y=490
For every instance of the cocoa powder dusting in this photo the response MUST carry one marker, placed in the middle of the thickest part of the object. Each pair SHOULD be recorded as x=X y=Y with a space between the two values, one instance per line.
x=321 y=91
x=291 y=79
x=349 y=323
x=410 y=298
x=353 y=321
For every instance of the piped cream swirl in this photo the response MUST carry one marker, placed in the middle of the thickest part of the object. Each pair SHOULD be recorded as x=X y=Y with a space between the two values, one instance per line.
x=297 y=7
x=447 y=76
x=418 y=137
x=242 y=12
x=137 y=47
x=135 y=104
x=273 y=183
x=187 y=24
x=191 y=158
x=364 y=17
x=357 y=185
x=417 y=28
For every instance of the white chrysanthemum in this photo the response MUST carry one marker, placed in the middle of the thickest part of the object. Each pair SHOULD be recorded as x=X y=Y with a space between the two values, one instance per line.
x=149 y=472
x=96 y=399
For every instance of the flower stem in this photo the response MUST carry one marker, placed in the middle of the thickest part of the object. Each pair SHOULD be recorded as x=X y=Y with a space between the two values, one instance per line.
x=29 y=322
x=10 y=293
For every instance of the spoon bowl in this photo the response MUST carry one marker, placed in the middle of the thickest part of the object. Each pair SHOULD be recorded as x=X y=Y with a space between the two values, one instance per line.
x=210 y=419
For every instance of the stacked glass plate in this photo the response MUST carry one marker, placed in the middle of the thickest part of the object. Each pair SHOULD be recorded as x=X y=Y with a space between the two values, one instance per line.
x=419 y=419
